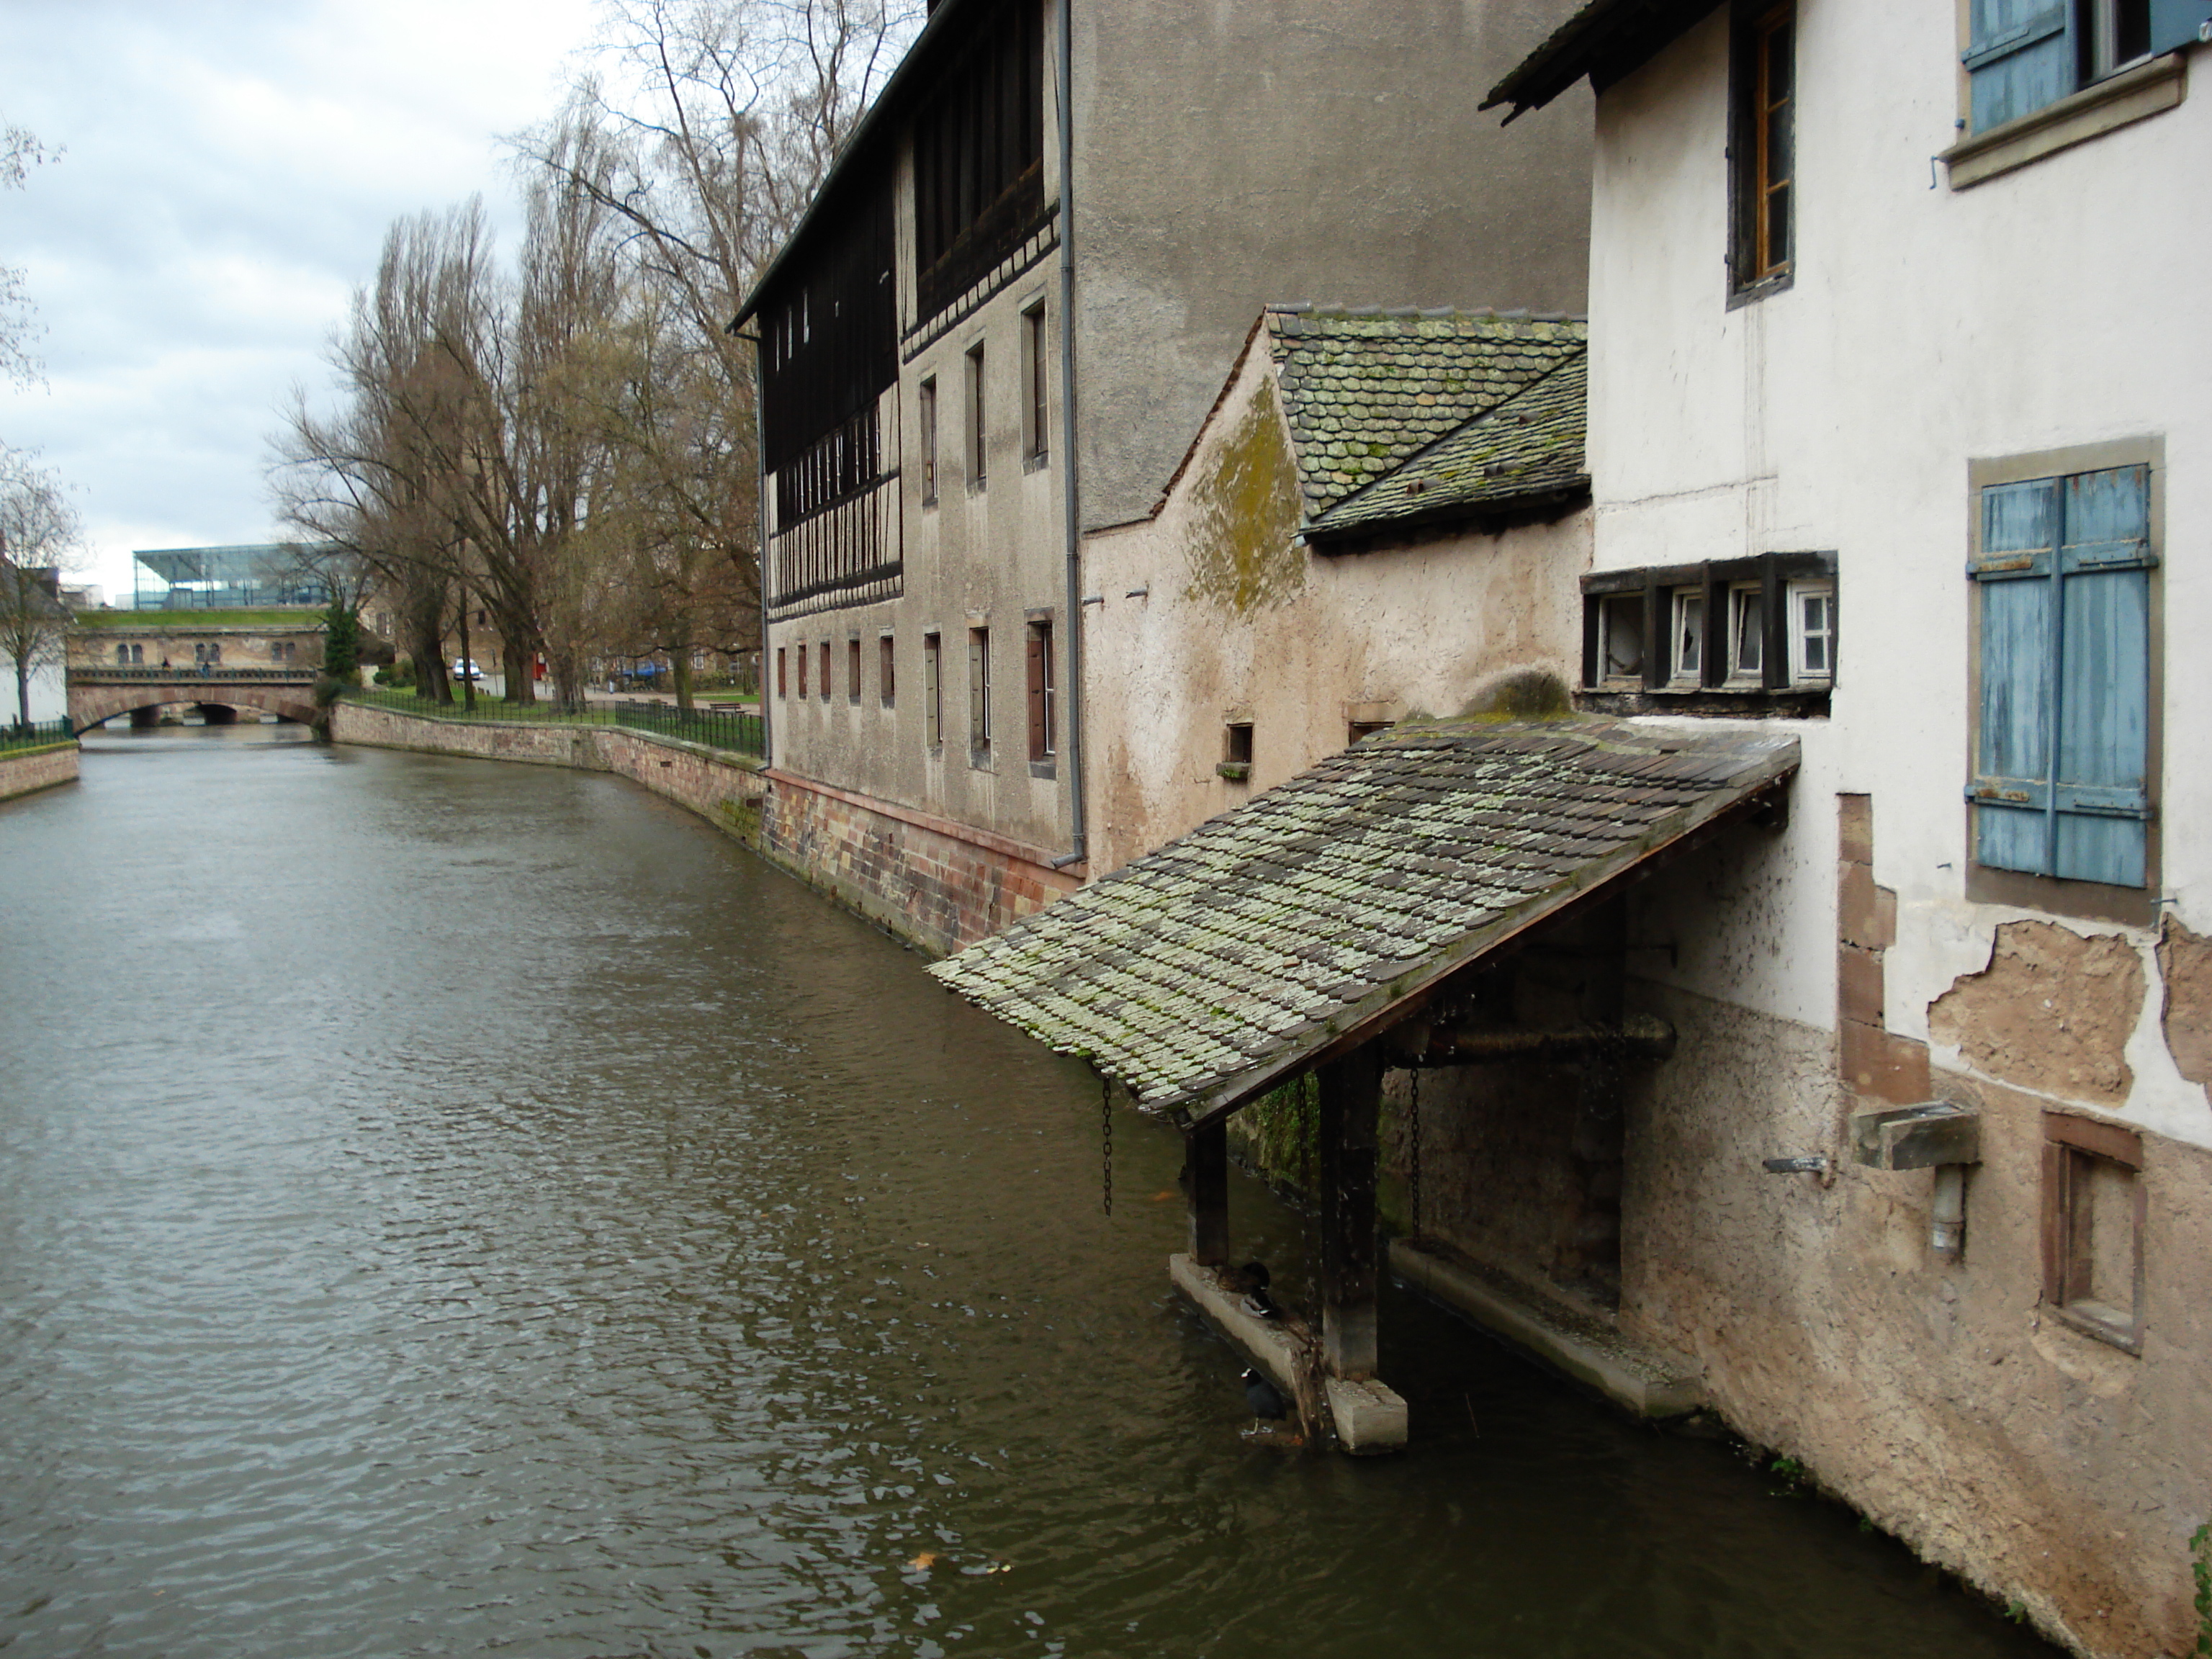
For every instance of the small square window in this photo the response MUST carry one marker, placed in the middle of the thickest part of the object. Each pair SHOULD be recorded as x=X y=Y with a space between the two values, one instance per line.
x=2093 y=1223
x=1687 y=641
x=1620 y=637
x=1812 y=633
x=1236 y=752
x=1358 y=729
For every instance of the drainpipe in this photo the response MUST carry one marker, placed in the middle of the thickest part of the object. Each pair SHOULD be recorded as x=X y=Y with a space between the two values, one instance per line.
x=1064 y=69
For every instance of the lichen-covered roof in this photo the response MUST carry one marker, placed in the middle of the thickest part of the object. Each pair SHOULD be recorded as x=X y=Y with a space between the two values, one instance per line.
x=1202 y=972
x=1528 y=448
x=1363 y=390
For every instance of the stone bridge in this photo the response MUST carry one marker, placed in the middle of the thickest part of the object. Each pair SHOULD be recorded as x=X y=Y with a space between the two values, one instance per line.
x=98 y=694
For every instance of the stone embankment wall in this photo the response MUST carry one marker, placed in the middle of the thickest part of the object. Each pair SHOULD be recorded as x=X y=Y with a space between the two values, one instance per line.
x=724 y=787
x=938 y=884
x=30 y=769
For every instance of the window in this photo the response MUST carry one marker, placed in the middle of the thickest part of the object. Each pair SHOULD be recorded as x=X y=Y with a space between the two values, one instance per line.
x=886 y=681
x=1038 y=663
x=932 y=689
x=2062 y=569
x=1620 y=649
x=782 y=686
x=928 y=423
x=978 y=688
x=1236 y=751
x=802 y=671
x=138 y=653
x=1747 y=637
x=825 y=670
x=976 y=438
x=2022 y=55
x=1761 y=149
x=1356 y=730
x=1035 y=359
x=122 y=655
x=853 y=670
x=1687 y=641
x=2092 y=1228
x=1812 y=631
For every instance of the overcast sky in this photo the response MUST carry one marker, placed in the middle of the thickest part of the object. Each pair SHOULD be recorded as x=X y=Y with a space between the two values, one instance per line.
x=231 y=167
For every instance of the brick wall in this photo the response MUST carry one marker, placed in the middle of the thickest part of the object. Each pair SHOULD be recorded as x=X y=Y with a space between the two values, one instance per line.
x=37 y=769
x=937 y=884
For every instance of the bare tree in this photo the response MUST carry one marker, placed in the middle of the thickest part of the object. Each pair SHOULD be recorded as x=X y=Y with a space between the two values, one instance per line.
x=41 y=536
x=20 y=151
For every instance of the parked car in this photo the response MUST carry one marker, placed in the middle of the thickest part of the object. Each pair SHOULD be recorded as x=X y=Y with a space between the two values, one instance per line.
x=465 y=669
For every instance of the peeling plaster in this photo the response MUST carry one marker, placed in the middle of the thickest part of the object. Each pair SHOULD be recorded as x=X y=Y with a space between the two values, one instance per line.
x=2054 y=1011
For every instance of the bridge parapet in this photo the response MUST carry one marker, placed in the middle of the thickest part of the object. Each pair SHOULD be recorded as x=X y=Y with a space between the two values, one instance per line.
x=200 y=674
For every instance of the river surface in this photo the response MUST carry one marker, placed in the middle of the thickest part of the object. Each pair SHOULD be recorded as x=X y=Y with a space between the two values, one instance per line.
x=448 y=1208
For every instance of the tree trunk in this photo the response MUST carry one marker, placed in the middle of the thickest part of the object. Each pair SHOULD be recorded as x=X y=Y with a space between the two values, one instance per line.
x=679 y=668
x=23 y=691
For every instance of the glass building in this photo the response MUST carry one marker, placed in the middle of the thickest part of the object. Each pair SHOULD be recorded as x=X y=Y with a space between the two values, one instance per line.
x=230 y=578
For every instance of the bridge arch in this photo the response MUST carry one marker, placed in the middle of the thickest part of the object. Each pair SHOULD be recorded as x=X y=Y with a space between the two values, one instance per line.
x=96 y=705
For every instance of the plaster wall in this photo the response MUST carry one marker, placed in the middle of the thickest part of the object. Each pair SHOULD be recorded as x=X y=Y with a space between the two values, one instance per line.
x=1229 y=156
x=1211 y=612
x=1925 y=327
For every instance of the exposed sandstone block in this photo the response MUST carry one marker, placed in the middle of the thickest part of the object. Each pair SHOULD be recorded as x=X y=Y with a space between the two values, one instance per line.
x=2053 y=1012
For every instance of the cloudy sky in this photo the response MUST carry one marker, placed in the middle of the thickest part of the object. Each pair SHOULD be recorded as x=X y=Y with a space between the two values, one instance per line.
x=230 y=168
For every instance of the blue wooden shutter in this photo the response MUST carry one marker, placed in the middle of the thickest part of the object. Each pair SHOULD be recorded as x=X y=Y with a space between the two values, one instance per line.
x=2012 y=760
x=2176 y=23
x=2102 y=802
x=2061 y=769
x=2020 y=56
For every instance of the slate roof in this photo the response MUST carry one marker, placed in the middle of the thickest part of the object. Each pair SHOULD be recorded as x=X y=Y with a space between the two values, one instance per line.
x=1363 y=390
x=1527 y=449
x=1202 y=974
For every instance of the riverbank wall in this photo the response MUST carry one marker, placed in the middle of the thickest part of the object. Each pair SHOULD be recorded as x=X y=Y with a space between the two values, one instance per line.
x=28 y=770
x=723 y=787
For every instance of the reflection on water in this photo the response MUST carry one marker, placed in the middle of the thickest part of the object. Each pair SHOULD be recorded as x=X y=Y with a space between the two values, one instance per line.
x=447 y=1207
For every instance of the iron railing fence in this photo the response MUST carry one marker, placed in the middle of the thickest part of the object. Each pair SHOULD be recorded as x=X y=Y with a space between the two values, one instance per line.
x=37 y=735
x=735 y=730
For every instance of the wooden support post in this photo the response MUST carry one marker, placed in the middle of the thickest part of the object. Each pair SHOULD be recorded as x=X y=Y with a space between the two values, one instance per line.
x=1351 y=1096
x=1206 y=1155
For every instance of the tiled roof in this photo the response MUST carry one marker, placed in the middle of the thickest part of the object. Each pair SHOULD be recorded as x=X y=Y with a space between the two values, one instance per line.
x=1528 y=448
x=1365 y=389
x=1205 y=972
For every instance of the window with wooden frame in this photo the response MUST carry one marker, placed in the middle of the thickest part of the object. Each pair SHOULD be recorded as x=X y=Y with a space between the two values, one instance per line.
x=825 y=670
x=1762 y=149
x=927 y=441
x=932 y=689
x=1734 y=636
x=2064 y=720
x=979 y=691
x=1038 y=668
x=2023 y=55
x=1036 y=362
x=802 y=671
x=886 y=670
x=853 y=669
x=2092 y=1228
x=978 y=432
x=782 y=683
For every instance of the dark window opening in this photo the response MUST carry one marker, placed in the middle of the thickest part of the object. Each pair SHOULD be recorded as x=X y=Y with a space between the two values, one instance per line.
x=2092 y=1228
x=928 y=441
x=853 y=670
x=978 y=688
x=978 y=434
x=1752 y=636
x=979 y=157
x=887 y=684
x=1035 y=422
x=1236 y=751
x=1762 y=147
x=932 y=689
x=782 y=684
x=825 y=670
x=1042 y=691
x=1358 y=729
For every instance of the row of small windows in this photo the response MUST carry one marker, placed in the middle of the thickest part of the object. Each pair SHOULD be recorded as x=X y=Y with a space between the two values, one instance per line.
x=975 y=441
x=810 y=669
x=1750 y=625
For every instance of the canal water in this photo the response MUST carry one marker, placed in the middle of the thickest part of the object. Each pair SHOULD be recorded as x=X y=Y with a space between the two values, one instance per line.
x=450 y=1209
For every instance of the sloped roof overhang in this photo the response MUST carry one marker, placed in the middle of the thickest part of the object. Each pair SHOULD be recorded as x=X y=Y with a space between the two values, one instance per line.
x=1607 y=39
x=1314 y=918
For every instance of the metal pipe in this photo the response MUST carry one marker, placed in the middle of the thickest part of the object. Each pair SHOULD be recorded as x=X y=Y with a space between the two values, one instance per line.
x=1064 y=69
x=1946 y=1224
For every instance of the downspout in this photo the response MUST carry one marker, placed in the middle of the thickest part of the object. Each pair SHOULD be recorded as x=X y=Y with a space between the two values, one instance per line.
x=1064 y=67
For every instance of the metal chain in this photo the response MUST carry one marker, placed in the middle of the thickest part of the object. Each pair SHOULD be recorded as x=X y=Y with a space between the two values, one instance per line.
x=1413 y=1148
x=1106 y=1128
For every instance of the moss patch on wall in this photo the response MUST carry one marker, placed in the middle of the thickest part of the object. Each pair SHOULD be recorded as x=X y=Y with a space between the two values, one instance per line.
x=1244 y=511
